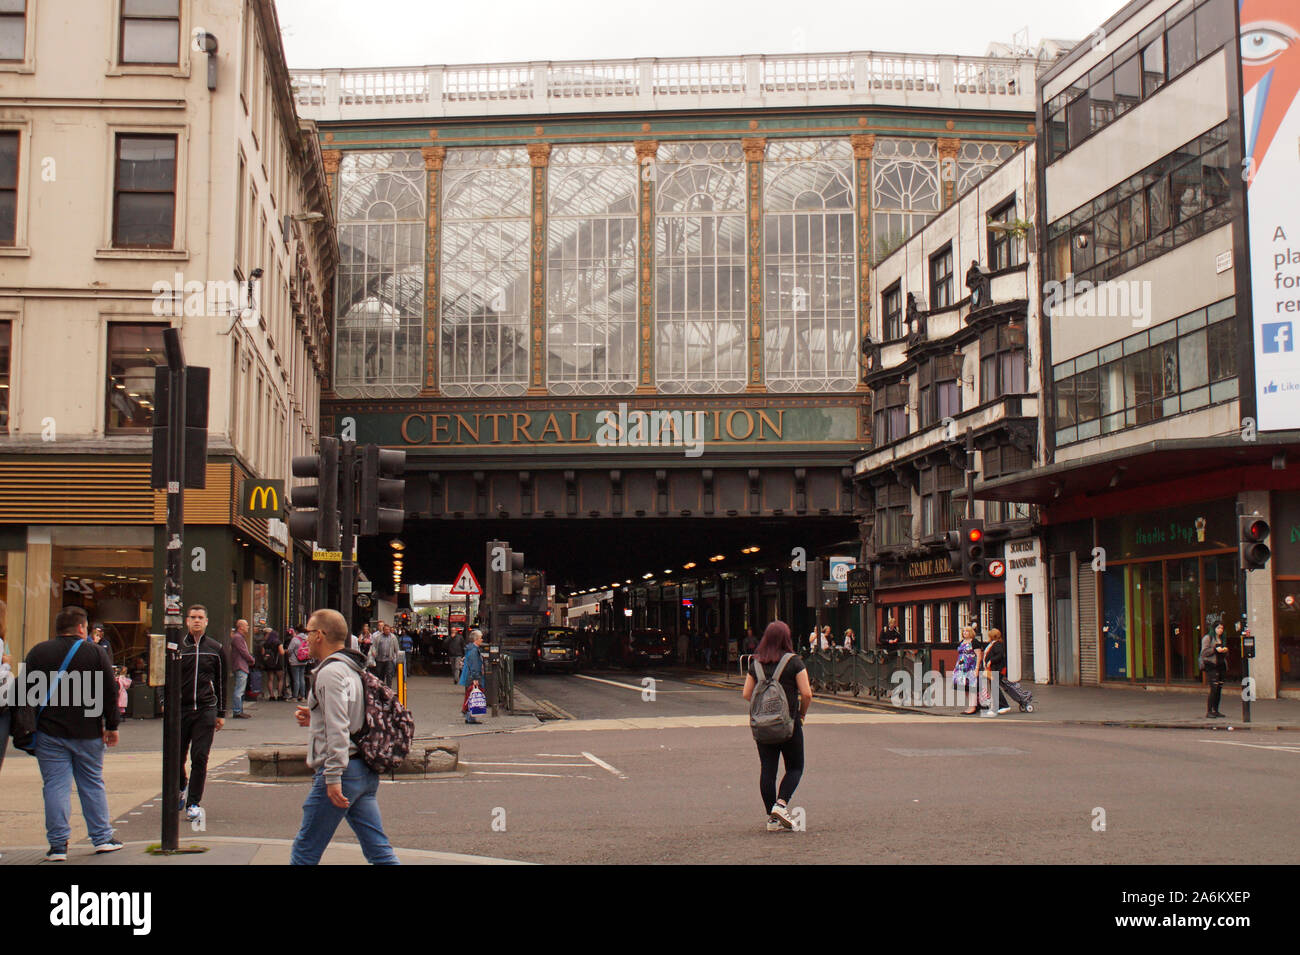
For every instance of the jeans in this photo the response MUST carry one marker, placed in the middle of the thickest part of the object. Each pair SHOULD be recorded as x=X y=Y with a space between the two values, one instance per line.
x=299 y=675
x=241 y=684
x=320 y=818
x=1216 y=692
x=456 y=663
x=197 y=730
x=769 y=754
x=386 y=672
x=62 y=760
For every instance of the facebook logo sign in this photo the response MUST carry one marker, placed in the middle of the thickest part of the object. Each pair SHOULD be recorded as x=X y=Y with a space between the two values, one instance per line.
x=1277 y=337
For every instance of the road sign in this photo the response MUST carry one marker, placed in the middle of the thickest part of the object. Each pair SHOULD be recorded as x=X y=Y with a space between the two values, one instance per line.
x=466 y=584
x=331 y=555
x=996 y=569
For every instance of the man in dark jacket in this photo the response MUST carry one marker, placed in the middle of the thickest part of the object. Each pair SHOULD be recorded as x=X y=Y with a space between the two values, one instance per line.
x=456 y=653
x=203 y=704
x=78 y=721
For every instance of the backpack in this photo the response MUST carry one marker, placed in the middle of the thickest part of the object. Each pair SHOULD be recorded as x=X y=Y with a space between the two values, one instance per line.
x=270 y=656
x=303 y=651
x=385 y=739
x=769 y=710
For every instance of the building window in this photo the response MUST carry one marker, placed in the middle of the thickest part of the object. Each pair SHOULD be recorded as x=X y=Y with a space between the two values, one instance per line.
x=1002 y=362
x=1003 y=247
x=890 y=415
x=975 y=160
x=151 y=31
x=893 y=520
x=13 y=30
x=999 y=462
x=144 y=193
x=905 y=190
x=939 y=391
x=591 y=270
x=1173 y=201
x=486 y=247
x=939 y=512
x=240 y=221
x=6 y=355
x=8 y=187
x=133 y=353
x=941 y=279
x=700 y=268
x=892 y=310
x=810 y=311
x=380 y=284
x=1176 y=367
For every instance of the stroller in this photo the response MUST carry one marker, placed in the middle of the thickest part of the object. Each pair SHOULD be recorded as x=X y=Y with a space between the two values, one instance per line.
x=1022 y=697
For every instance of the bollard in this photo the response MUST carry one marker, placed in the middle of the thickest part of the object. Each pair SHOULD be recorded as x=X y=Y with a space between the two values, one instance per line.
x=401 y=681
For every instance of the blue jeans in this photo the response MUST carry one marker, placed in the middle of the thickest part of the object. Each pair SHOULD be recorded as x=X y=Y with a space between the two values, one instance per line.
x=299 y=680
x=61 y=761
x=241 y=684
x=320 y=818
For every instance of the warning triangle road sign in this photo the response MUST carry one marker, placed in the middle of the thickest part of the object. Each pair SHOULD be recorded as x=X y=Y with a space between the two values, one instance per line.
x=466 y=584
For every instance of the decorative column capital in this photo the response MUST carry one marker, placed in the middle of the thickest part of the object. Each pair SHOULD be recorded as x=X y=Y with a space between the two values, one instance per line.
x=863 y=145
x=646 y=149
x=433 y=156
x=948 y=148
x=539 y=154
x=755 y=147
x=330 y=158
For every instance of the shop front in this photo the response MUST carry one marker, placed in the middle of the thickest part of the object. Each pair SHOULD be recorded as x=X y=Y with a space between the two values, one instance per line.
x=1285 y=542
x=1171 y=576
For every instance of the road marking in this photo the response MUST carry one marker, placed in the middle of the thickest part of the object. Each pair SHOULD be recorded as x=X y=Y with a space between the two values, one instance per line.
x=466 y=762
x=561 y=755
x=479 y=772
x=555 y=710
x=604 y=765
x=857 y=717
x=627 y=686
x=969 y=751
x=1228 y=742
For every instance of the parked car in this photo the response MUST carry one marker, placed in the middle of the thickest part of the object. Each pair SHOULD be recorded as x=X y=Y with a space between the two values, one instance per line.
x=646 y=646
x=555 y=648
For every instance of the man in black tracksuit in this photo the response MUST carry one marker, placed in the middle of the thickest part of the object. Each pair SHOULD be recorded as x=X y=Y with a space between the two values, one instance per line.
x=203 y=703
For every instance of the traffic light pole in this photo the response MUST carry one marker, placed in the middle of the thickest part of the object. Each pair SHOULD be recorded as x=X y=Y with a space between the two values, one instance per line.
x=174 y=610
x=970 y=514
x=347 y=505
x=1244 y=626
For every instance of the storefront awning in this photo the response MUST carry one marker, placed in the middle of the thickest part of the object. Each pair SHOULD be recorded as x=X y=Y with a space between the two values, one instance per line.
x=1154 y=461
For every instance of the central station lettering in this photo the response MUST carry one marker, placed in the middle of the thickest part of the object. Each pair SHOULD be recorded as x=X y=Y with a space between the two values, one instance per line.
x=573 y=427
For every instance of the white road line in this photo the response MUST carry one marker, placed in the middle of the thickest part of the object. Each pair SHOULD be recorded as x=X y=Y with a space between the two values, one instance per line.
x=561 y=755
x=466 y=762
x=247 y=782
x=604 y=765
x=479 y=772
x=627 y=686
x=1228 y=742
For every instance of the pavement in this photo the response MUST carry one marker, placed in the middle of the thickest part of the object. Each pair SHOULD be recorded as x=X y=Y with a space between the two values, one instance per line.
x=1139 y=708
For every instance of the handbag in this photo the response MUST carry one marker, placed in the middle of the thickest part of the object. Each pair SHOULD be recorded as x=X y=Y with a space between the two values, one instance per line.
x=25 y=719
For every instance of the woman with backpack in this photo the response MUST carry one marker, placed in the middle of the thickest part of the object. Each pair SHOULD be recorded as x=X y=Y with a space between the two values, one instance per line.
x=776 y=671
x=272 y=662
x=299 y=659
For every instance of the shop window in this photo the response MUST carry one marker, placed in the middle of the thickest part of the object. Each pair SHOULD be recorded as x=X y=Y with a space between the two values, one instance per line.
x=133 y=353
x=151 y=32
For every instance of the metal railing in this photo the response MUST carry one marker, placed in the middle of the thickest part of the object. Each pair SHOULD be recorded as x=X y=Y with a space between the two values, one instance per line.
x=560 y=86
x=861 y=671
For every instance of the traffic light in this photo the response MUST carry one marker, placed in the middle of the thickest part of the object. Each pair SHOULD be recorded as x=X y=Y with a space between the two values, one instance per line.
x=321 y=524
x=382 y=491
x=972 y=547
x=512 y=578
x=952 y=541
x=1252 y=551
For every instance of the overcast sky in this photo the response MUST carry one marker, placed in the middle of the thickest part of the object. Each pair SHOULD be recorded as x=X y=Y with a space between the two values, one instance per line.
x=320 y=33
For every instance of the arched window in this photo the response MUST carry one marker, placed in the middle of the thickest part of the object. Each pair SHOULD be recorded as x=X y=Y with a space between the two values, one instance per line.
x=485 y=255
x=905 y=190
x=379 y=325
x=809 y=301
x=591 y=297
x=700 y=268
x=977 y=159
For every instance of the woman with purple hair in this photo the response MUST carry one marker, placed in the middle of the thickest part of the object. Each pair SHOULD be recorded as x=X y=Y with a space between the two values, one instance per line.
x=774 y=650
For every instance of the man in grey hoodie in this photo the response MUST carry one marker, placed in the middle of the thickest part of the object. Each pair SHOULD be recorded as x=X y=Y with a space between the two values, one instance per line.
x=344 y=786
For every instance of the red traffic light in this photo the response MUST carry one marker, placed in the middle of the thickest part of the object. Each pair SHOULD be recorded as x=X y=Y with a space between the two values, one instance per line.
x=1258 y=530
x=975 y=535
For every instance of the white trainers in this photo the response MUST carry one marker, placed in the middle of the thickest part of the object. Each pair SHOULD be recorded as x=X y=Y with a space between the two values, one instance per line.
x=782 y=815
x=192 y=813
x=1004 y=709
x=111 y=846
